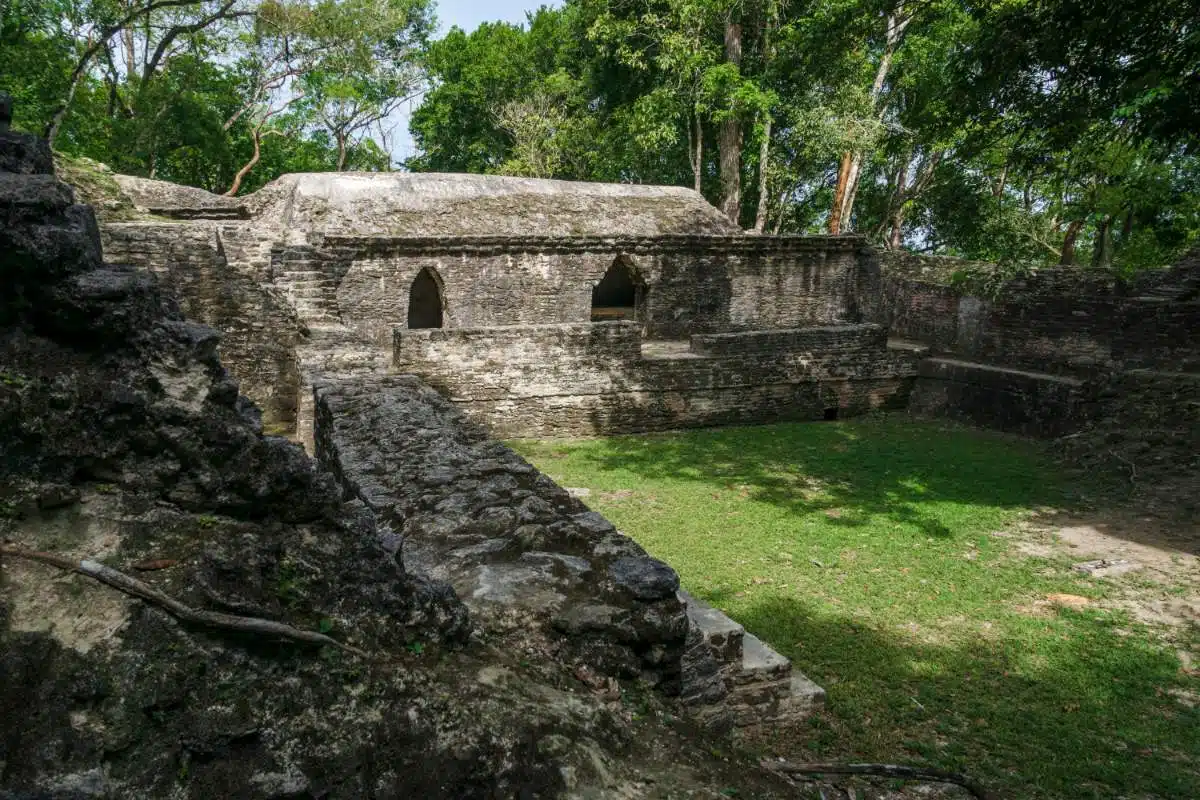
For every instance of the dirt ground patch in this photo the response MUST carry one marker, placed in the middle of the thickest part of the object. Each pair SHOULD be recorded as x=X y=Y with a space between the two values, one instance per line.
x=1151 y=564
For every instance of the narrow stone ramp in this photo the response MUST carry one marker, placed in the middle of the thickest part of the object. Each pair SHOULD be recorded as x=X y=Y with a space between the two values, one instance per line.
x=764 y=687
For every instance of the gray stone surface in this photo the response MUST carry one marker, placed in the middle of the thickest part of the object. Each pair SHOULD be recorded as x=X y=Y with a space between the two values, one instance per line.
x=515 y=546
x=432 y=204
x=172 y=200
x=593 y=378
x=644 y=578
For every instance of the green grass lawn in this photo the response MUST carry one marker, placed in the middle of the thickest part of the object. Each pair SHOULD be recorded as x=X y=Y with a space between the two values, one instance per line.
x=880 y=556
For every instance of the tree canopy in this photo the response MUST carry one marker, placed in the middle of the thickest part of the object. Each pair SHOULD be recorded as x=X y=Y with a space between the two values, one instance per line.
x=1062 y=131
x=220 y=94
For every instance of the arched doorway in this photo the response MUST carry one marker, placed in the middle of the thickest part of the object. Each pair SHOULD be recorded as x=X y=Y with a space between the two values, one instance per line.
x=425 y=301
x=619 y=294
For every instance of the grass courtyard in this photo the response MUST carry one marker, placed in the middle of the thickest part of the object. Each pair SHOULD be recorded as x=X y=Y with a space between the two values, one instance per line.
x=890 y=560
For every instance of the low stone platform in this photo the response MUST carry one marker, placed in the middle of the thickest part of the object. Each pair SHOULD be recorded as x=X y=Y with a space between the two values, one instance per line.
x=537 y=381
x=763 y=686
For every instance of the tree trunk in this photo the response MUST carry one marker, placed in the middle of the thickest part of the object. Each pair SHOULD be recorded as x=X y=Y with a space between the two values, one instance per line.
x=729 y=139
x=249 y=165
x=851 y=167
x=852 y=176
x=1067 y=258
x=130 y=53
x=341 y=143
x=696 y=150
x=839 y=195
x=896 y=229
x=1102 y=254
x=764 y=154
x=895 y=218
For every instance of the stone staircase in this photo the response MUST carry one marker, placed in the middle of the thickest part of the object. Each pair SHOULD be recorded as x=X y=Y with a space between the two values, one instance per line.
x=247 y=248
x=763 y=686
x=312 y=293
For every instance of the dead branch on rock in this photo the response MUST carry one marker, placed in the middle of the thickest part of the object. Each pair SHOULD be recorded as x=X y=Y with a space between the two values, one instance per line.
x=882 y=771
x=213 y=619
x=1128 y=463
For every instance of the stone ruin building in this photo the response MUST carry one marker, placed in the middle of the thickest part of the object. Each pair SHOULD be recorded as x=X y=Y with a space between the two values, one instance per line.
x=397 y=326
x=550 y=308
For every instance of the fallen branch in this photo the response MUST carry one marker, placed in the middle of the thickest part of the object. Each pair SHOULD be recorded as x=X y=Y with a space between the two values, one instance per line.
x=883 y=771
x=213 y=619
x=1128 y=463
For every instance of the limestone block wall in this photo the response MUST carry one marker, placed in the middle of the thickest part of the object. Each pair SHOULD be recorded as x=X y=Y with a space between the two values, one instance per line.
x=258 y=324
x=1045 y=355
x=586 y=379
x=1029 y=403
x=1057 y=320
x=694 y=284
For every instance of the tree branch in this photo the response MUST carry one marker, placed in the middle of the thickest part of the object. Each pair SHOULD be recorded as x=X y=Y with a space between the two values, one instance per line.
x=89 y=53
x=882 y=770
x=212 y=619
x=179 y=30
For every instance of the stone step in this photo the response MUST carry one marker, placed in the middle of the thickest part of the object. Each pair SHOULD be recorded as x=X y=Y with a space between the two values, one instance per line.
x=302 y=274
x=309 y=290
x=763 y=686
x=764 y=690
x=723 y=635
x=760 y=663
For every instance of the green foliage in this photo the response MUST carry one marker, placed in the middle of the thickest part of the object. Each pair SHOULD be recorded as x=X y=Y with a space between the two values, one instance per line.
x=962 y=151
x=214 y=94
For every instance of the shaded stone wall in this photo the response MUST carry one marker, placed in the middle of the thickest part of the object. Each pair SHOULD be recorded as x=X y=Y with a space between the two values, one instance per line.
x=561 y=380
x=258 y=324
x=1057 y=320
x=1002 y=398
x=1048 y=354
x=695 y=284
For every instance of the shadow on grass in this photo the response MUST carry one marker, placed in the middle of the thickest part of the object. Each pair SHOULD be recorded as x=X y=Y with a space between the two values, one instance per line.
x=850 y=471
x=884 y=466
x=1076 y=709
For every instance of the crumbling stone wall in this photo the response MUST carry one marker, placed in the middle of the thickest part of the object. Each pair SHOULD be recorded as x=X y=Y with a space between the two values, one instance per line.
x=1071 y=321
x=259 y=326
x=1111 y=364
x=514 y=545
x=562 y=380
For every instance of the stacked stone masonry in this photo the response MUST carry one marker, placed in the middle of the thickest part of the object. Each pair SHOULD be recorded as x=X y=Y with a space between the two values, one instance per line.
x=548 y=380
x=1050 y=353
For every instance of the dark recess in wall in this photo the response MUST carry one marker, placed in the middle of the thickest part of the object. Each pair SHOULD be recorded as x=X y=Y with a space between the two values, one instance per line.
x=425 y=302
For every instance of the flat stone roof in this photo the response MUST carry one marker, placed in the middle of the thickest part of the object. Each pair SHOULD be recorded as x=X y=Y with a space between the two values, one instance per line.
x=440 y=204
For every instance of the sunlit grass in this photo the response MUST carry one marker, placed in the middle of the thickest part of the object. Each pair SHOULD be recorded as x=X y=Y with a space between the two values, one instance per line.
x=877 y=555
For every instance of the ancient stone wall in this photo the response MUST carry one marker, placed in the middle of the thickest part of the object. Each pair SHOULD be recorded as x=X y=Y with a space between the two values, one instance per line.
x=515 y=546
x=259 y=326
x=1002 y=398
x=1040 y=355
x=585 y=379
x=694 y=284
x=1059 y=320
